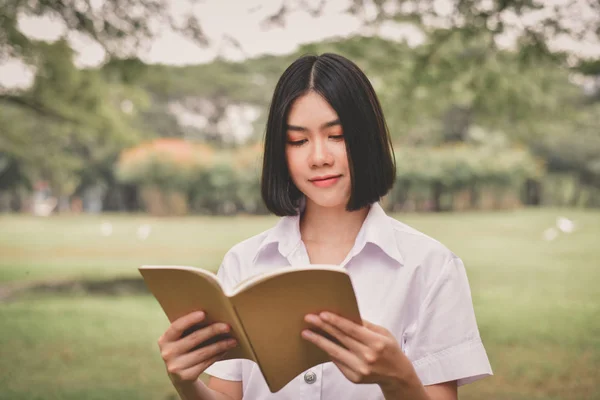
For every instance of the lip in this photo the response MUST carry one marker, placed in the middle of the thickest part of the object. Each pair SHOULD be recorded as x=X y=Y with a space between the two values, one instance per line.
x=325 y=180
x=324 y=177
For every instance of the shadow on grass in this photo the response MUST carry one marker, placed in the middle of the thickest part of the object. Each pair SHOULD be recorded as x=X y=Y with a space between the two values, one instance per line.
x=110 y=287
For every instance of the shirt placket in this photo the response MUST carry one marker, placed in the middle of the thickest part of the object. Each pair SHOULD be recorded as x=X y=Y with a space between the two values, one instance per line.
x=312 y=379
x=312 y=383
x=299 y=256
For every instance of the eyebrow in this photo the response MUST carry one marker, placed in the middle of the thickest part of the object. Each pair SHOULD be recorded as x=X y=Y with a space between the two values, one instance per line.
x=303 y=129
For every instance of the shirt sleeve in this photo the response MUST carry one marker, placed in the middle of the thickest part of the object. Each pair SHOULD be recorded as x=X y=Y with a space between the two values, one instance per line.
x=228 y=275
x=445 y=344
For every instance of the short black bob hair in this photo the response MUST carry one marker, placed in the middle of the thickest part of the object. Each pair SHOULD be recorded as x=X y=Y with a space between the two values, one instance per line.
x=368 y=145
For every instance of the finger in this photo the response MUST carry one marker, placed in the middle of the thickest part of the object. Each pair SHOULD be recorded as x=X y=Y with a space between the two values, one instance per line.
x=178 y=326
x=344 y=339
x=210 y=333
x=205 y=353
x=376 y=328
x=334 y=351
x=202 y=337
x=352 y=375
x=193 y=372
x=358 y=332
x=364 y=352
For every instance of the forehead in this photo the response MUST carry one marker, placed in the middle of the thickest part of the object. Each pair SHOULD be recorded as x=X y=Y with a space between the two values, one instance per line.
x=309 y=110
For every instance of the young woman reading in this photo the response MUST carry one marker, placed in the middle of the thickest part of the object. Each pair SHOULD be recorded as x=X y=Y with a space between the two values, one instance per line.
x=327 y=162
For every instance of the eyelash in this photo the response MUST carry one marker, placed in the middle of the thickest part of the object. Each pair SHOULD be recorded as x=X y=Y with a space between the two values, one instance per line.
x=297 y=142
x=301 y=142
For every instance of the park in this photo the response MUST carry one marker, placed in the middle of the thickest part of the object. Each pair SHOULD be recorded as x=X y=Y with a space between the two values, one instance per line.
x=134 y=135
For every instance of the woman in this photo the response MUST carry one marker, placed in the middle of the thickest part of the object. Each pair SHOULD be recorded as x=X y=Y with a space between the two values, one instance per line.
x=328 y=160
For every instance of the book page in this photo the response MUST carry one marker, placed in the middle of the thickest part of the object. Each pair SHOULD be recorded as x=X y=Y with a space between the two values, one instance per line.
x=181 y=290
x=274 y=272
x=272 y=312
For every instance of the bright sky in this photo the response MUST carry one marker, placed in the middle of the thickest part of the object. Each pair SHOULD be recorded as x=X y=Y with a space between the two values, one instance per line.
x=218 y=17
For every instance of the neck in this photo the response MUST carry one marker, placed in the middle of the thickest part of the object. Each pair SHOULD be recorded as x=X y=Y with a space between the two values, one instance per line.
x=328 y=225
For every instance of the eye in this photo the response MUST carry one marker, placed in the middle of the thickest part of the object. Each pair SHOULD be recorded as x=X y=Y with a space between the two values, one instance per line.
x=297 y=142
x=336 y=137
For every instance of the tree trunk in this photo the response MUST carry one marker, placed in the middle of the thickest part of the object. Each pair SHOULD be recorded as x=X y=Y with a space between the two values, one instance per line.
x=532 y=192
x=474 y=199
x=400 y=196
x=577 y=191
x=437 y=191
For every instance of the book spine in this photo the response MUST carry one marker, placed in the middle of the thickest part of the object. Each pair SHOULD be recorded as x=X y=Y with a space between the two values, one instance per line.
x=248 y=345
x=243 y=336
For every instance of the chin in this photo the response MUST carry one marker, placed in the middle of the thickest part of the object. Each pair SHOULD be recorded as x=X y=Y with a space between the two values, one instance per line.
x=329 y=201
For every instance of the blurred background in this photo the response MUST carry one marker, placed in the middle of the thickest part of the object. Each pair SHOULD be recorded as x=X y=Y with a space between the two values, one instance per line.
x=131 y=133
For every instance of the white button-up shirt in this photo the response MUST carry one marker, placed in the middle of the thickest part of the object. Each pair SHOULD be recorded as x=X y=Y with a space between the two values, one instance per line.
x=404 y=281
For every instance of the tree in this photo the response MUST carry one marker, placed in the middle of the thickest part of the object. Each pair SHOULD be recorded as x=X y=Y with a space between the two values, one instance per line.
x=69 y=123
x=122 y=26
x=85 y=116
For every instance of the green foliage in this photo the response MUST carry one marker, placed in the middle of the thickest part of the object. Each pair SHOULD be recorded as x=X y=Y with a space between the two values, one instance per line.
x=445 y=171
x=220 y=183
x=574 y=145
x=461 y=166
x=156 y=170
x=228 y=180
x=216 y=191
x=119 y=26
x=71 y=124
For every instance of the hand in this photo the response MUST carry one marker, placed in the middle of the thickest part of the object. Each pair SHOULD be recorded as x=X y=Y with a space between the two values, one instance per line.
x=184 y=358
x=372 y=354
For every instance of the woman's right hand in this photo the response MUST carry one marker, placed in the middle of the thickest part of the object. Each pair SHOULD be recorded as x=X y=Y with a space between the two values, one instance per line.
x=183 y=362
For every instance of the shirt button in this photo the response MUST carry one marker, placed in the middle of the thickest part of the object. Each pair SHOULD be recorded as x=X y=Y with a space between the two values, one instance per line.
x=310 y=377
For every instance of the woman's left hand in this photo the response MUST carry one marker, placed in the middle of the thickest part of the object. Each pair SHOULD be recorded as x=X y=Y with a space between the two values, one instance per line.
x=372 y=354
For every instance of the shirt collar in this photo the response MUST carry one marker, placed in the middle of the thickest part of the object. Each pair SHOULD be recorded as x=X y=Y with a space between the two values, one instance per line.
x=377 y=229
x=285 y=234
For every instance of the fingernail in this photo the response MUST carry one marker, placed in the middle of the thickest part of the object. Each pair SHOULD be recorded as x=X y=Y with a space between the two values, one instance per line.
x=325 y=316
x=224 y=327
x=200 y=314
x=231 y=342
x=311 y=318
x=307 y=334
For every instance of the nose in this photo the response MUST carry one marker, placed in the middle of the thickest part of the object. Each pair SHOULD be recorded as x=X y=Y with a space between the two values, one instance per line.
x=320 y=154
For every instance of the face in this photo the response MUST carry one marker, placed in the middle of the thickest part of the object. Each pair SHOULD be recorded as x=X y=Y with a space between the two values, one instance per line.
x=316 y=152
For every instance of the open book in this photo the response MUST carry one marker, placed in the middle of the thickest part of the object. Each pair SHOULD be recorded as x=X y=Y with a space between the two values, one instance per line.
x=266 y=312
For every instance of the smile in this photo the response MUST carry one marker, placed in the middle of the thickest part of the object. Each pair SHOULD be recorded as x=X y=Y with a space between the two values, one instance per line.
x=325 y=181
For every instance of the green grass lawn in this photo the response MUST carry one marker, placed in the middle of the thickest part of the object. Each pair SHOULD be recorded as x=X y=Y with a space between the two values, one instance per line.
x=537 y=302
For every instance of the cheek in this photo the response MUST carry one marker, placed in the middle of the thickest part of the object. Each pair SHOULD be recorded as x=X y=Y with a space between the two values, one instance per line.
x=342 y=155
x=293 y=161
